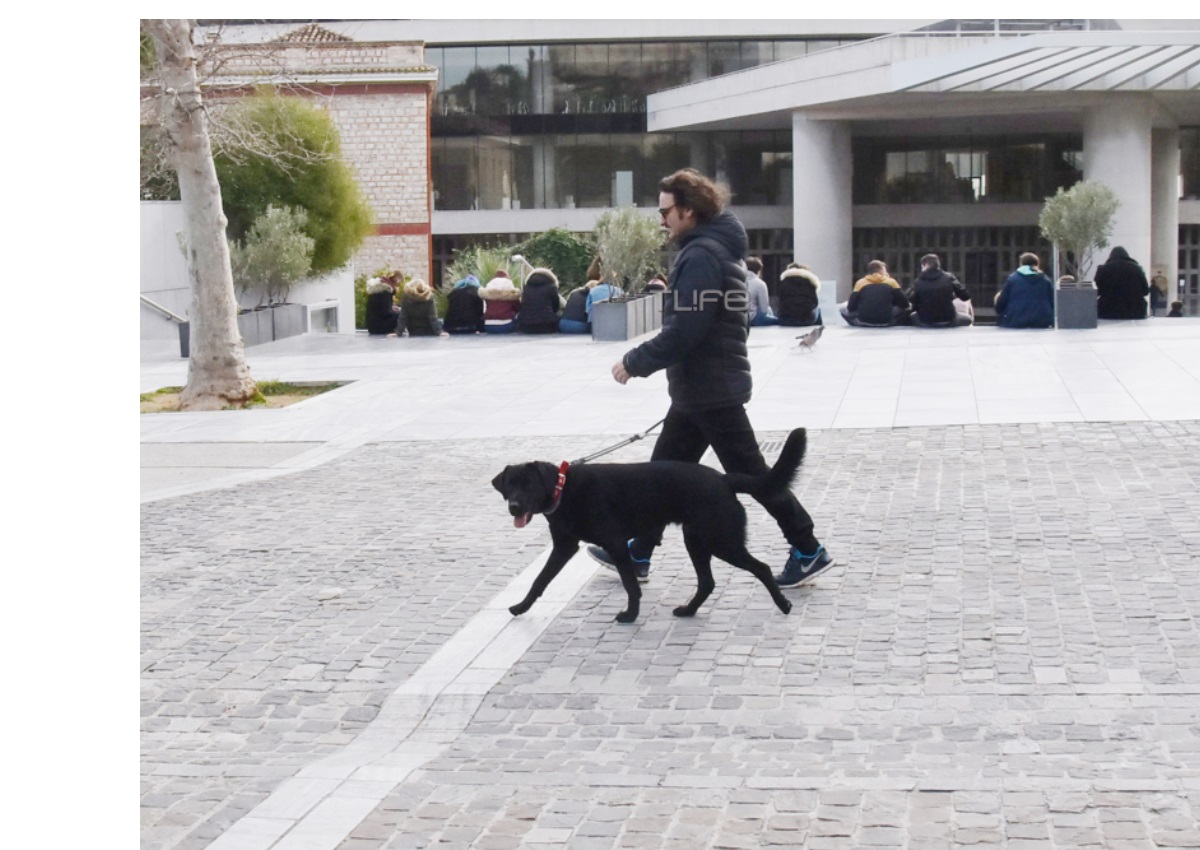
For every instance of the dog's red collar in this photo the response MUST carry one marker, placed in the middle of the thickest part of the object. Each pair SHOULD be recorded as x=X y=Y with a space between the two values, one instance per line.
x=558 y=488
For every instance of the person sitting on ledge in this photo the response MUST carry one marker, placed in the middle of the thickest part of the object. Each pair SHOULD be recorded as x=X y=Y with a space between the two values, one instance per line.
x=798 y=288
x=877 y=300
x=1121 y=287
x=1027 y=299
x=574 y=315
x=382 y=310
x=502 y=304
x=464 y=308
x=658 y=283
x=1176 y=310
x=933 y=296
x=761 y=314
x=418 y=311
x=540 y=303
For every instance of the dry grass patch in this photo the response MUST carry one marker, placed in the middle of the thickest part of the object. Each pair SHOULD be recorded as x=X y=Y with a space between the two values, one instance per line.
x=269 y=394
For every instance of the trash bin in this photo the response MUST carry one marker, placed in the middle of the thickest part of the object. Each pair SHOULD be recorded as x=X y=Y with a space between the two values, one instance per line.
x=1075 y=304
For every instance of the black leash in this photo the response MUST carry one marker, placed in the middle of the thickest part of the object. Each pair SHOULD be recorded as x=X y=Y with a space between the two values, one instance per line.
x=616 y=446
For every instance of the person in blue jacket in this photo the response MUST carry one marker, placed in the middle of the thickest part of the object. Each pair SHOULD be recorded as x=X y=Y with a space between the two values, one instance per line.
x=1027 y=300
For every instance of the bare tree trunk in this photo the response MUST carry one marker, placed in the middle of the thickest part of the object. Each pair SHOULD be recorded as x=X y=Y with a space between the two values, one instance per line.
x=217 y=371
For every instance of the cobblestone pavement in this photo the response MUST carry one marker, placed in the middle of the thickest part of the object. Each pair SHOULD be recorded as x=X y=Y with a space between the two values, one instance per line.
x=1006 y=655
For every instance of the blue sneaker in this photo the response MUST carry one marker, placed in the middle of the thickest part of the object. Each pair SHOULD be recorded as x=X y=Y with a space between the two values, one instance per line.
x=801 y=569
x=641 y=566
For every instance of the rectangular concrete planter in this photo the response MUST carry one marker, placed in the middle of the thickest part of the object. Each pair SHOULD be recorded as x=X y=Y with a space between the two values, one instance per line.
x=289 y=319
x=265 y=324
x=256 y=326
x=620 y=320
x=1075 y=305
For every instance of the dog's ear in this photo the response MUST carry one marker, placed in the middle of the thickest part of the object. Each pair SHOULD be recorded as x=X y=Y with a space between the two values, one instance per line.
x=547 y=476
x=498 y=481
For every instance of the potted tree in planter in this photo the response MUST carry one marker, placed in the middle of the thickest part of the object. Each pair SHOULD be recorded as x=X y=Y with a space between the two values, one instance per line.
x=630 y=246
x=1079 y=221
x=275 y=254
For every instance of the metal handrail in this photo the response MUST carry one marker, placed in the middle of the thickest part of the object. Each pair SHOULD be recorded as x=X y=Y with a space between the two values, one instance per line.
x=160 y=308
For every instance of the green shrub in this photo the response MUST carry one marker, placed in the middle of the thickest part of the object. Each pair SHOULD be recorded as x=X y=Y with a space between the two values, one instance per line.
x=300 y=166
x=566 y=254
x=274 y=255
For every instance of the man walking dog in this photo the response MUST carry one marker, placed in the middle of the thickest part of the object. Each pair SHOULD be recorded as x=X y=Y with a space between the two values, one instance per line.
x=702 y=345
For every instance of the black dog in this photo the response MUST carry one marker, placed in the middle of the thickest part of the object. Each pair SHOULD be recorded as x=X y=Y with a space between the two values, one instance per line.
x=609 y=503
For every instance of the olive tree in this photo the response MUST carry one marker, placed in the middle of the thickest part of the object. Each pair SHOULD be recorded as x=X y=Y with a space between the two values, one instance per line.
x=274 y=255
x=630 y=247
x=1079 y=221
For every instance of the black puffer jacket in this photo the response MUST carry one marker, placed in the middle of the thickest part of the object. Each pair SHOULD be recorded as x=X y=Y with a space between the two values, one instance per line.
x=798 y=290
x=464 y=308
x=702 y=344
x=1121 y=287
x=576 y=306
x=540 y=303
x=933 y=297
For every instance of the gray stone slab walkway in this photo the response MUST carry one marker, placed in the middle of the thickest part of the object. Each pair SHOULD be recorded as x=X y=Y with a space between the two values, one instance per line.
x=1007 y=655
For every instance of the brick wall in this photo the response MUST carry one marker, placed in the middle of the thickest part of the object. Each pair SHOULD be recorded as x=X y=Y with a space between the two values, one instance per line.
x=409 y=254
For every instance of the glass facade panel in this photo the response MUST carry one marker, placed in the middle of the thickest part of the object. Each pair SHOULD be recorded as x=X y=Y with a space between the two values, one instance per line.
x=790 y=50
x=949 y=171
x=457 y=65
x=564 y=125
x=1189 y=163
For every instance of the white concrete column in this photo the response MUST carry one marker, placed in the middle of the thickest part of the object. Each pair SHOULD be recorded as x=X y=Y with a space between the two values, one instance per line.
x=1117 y=153
x=821 y=213
x=1164 y=221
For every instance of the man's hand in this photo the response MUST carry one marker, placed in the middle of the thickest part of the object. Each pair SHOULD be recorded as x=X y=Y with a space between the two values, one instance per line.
x=619 y=373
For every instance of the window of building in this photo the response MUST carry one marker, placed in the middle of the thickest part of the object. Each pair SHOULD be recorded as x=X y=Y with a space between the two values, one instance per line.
x=973 y=170
x=564 y=125
x=1189 y=163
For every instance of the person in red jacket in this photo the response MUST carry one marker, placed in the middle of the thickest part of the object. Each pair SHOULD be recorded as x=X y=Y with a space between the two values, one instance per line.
x=501 y=305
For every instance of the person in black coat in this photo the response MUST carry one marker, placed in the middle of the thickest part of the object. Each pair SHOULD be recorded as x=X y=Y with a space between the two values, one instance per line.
x=540 y=303
x=574 y=318
x=464 y=308
x=933 y=296
x=1121 y=287
x=382 y=311
x=702 y=347
x=798 y=288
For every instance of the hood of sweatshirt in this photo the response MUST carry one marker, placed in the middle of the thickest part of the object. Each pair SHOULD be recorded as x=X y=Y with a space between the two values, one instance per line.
x=726 y=229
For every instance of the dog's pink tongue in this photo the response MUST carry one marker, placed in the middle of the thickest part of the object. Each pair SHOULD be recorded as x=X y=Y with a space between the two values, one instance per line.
x=522 y=520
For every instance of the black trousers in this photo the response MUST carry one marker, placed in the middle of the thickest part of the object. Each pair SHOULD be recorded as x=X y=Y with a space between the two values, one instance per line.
x=686 y=436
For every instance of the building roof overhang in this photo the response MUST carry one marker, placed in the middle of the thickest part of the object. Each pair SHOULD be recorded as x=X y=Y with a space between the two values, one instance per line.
x=916 y=75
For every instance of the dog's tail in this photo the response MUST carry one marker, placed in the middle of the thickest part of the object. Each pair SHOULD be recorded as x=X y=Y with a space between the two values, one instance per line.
x=780 y=476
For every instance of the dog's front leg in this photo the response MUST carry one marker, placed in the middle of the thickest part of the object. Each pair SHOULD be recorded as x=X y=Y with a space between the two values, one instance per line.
x=563 y=551
x=628 y=575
